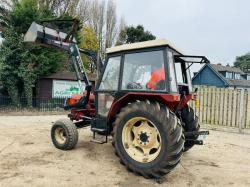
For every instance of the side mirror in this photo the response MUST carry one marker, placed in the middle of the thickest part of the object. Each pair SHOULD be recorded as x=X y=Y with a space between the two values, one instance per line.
x=196 y=90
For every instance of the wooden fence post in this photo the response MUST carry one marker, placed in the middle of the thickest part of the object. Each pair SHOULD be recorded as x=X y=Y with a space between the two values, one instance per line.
x=241 y=113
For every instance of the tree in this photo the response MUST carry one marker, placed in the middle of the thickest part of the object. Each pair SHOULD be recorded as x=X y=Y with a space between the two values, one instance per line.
x=3 y=17
x=58 y=7
x=9 y=63
x=23 y=64
x=88 y=41
x=101 y=16
x=111 y=20
x=122 y=36
x=83 y=11
x=97 y=20
x=135 y=34
x=24 y=68
x=243 y=62
x=23 y=14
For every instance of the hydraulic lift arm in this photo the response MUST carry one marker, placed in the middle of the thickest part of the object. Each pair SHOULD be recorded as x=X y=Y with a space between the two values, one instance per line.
x=40 y=34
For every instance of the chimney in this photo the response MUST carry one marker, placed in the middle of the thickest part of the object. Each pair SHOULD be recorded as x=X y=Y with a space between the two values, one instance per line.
x=228 y=65
x=219 y=64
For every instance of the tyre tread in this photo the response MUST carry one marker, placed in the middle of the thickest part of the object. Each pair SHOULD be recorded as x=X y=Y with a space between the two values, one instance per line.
x=174 y=131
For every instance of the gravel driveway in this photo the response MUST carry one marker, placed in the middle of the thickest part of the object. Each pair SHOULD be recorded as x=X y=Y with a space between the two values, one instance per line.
x=27 y=158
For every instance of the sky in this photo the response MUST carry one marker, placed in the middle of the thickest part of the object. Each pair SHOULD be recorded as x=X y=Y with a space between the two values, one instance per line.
x=217 y=29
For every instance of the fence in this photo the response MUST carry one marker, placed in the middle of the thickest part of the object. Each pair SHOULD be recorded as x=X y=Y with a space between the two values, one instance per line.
x=38 y=104
x=218 y=106
x=226 y=107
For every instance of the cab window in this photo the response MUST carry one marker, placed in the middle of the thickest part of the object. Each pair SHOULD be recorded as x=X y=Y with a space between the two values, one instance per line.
x=144 y=71
x=110 y=78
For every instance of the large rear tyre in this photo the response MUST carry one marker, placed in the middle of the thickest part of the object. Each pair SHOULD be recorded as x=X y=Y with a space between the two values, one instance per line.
x=191 y=122
x=64 y=134
x=148 y=139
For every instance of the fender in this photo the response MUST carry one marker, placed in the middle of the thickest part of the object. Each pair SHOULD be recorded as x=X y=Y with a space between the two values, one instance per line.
x=170 y=100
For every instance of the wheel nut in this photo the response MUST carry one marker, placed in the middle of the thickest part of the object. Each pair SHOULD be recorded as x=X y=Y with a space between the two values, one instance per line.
x=126 y=145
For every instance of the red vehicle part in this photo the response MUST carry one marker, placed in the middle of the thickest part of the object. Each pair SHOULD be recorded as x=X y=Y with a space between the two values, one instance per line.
x=170 y=100
x=88 y=110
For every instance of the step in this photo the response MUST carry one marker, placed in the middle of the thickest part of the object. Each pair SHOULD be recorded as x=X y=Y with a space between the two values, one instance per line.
x=98 y=130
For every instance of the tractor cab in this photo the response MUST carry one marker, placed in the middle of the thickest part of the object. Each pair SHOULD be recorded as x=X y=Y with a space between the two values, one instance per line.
x=146 y=69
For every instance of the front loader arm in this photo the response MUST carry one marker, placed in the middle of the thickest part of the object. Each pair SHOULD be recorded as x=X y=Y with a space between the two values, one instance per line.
x=40 y=34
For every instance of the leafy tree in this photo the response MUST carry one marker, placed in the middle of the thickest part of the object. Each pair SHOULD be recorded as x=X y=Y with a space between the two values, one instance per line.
x=111 y=22
x=10 y=60
x=89 y=40
x=23 y=14
x=122 y=36
x=3 y=17
x=23 y=64
x=134 y=34
x=243 y=62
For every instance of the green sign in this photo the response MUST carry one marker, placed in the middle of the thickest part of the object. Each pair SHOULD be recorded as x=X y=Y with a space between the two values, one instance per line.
x=65 y=88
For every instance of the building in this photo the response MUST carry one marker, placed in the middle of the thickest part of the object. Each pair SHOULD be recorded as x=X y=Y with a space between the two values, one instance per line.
x=222 y=76
x=59 y=85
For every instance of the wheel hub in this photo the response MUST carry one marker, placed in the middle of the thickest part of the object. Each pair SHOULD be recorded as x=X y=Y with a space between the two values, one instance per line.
x=141 y=139
x=60 y=135
x=144 y=138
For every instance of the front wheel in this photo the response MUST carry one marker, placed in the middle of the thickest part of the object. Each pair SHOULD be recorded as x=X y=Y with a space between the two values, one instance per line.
x=64 y=134
x=148 y=138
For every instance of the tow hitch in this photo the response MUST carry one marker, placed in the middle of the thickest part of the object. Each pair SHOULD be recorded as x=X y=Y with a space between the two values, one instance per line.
x=197 y=140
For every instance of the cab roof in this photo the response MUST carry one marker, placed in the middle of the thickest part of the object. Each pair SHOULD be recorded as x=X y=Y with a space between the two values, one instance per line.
x=142 y=45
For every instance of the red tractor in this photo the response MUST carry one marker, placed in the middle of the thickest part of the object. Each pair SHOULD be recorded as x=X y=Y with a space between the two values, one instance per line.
x=151 y=125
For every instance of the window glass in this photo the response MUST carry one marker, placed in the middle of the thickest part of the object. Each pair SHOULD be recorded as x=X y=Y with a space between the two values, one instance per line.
x=110 y=77
x=179 y=75
x=105 y=101
x=248 y=77
x=229 y=75
x=172 y=75
x=144 y=71
x=237 y=76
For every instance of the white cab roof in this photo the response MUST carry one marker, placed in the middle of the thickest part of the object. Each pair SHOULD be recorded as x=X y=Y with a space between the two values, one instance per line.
x=141 y=45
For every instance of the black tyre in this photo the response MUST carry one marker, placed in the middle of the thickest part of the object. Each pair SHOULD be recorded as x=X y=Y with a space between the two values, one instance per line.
x=64 y=134
x=191 y=123
x=148 y=139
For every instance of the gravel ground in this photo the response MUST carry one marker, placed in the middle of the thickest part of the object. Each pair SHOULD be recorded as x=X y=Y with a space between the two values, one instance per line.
x=27 y=158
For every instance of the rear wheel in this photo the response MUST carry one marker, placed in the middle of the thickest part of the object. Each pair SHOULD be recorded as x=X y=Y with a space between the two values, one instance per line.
x=64 y=134
x=148 y=138
x=191 y=122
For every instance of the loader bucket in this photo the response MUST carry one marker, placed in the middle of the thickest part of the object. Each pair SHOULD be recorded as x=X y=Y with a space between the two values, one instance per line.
x=38 y=33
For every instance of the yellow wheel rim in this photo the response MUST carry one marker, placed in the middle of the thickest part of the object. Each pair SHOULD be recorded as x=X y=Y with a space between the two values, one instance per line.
x=141 y=139
x=60 y=135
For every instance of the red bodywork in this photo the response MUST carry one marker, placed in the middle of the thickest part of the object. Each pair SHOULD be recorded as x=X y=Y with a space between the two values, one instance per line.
x=88 y=110
x=170 y=100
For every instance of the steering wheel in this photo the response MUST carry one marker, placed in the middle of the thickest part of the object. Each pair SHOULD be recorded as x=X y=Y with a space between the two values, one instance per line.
x=134 y=85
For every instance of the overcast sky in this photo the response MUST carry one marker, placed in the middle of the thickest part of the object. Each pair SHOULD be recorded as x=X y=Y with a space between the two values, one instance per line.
x=218 y=29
